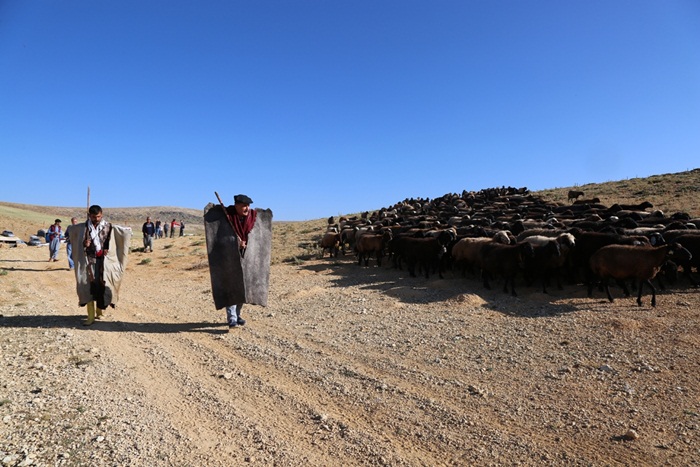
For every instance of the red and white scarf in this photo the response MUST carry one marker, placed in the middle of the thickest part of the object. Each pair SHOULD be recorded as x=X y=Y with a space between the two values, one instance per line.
x=94 y=232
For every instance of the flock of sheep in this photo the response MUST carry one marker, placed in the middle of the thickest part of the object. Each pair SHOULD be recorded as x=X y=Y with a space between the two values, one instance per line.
x=511 y=234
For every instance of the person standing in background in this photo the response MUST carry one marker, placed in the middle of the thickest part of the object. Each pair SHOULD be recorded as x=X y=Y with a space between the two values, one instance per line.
x=148 y=230
x=159 y=229
x=182 y=227
x=69 y=245
x=55 y=234
x=165 y=227
x=173 y=224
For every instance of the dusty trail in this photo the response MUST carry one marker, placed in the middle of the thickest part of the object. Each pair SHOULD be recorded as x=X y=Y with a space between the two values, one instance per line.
x=346 y=366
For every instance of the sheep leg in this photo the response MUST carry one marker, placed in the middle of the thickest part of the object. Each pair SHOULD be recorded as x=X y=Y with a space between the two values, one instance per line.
x=624 y=288
x=607 y=290
x=485 y=278
x=662 y=286
x=559 y=284
x=687 y=270
x=590 y=290
x=510 y=279
x=653 y=292
x=411 y=266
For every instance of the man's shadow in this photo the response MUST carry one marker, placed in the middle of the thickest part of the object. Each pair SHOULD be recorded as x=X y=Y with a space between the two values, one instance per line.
x=110 y=324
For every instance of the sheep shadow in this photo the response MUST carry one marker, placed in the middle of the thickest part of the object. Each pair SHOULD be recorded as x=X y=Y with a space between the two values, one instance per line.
x=453 y=287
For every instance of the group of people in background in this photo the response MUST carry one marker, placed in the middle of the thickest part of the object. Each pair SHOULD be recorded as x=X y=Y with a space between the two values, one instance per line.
x=159 y=229
x=151 y=231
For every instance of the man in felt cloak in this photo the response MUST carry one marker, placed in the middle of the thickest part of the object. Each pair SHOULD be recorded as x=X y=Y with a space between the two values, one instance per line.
x=100 y=252
x=239 y=243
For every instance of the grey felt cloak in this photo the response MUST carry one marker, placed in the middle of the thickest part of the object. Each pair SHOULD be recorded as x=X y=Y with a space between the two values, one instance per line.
x=235 y=278
x=114 y=265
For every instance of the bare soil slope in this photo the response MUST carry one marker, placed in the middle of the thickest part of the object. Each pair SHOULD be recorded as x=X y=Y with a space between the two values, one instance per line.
x=346 y=366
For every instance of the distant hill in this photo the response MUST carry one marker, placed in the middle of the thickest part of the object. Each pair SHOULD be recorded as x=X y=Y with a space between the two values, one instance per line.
x=673 y=192
x=28 y=218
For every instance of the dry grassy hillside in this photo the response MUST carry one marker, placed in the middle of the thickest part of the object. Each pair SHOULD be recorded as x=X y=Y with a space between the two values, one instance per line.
x=25 y=219
x=677 y=192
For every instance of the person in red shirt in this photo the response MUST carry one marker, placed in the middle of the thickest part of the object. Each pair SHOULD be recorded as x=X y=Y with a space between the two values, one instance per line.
x=173 y=224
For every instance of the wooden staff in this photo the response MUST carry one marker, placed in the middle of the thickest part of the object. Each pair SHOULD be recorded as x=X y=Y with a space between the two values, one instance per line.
x=228 y=218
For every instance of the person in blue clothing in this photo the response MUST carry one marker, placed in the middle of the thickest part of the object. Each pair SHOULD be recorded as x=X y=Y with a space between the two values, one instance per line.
x=69 y=246
x=55 y=234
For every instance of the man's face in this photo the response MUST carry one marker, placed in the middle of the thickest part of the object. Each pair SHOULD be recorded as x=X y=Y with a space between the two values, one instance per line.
x=96 y=218
x=148 y=219
x=242 y=209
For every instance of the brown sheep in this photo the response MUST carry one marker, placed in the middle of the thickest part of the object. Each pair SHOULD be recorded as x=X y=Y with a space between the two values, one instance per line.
x=466 y=253
x=622 y=262
x=372 y=243
x=574 y=194
x=331 y=242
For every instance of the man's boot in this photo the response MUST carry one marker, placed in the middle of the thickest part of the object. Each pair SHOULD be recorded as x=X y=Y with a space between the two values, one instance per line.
x=91 y=314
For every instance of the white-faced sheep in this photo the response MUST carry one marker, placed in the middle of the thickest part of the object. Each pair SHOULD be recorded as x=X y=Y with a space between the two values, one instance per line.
x=623 y=262
x=466 y=253
x=549 y=259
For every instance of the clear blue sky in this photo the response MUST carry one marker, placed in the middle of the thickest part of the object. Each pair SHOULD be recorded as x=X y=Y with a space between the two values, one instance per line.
x=319 y=108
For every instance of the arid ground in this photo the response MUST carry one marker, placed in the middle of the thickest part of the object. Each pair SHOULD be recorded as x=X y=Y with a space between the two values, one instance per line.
x=347 y=365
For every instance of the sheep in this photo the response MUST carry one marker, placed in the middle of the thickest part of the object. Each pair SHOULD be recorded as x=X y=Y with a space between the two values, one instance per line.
x=587 y=243
x=622 y=262
x=465 y=253
x=350 y=235
x=372 y=243
x=690 y=242
x=574 y=194
x=541 y=262
x=551 y=233
x=424 y=252
x=554 y=262
x=587 y=201
x=643 y=206
x=331 y=242
x=504 y=260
